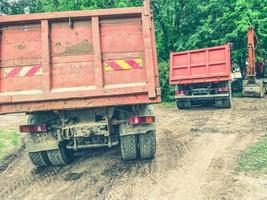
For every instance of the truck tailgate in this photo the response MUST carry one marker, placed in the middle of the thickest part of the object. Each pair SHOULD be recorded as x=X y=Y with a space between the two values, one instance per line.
x=202 y=65
x=70 y=60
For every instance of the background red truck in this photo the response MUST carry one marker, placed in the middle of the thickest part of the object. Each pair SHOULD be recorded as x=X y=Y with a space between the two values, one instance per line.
x=202 y=76
x=86 y=79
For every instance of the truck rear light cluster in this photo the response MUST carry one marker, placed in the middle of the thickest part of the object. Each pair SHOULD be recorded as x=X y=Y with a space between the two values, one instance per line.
x=33 y=128
x=224 y=89
x=142 y=120
x=179 y=92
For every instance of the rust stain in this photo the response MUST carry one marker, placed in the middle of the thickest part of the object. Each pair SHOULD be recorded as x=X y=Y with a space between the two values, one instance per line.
x=21 y=46
x=58 y=44
x=81 y=48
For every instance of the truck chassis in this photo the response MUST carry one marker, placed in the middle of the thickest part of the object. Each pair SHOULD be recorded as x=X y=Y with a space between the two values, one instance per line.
x=218 y=94
x=72 y=130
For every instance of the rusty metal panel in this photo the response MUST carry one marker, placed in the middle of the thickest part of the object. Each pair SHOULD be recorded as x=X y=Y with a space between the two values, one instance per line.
x=202 y=65
x=71 y=51
x=21 y=58
x=79 y=57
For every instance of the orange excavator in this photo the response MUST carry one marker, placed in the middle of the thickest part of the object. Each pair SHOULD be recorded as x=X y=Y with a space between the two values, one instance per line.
x=253 y=84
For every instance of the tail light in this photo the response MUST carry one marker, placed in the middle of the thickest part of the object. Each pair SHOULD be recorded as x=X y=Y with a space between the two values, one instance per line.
x=142 y=120
x=179 y=92
x=224 y=89
x=33 y=128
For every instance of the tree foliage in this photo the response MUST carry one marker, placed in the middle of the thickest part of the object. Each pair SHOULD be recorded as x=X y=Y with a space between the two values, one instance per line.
x=180 y=24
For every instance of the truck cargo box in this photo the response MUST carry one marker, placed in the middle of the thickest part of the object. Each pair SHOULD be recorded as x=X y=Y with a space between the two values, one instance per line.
x=200 y=66
x=77 y=59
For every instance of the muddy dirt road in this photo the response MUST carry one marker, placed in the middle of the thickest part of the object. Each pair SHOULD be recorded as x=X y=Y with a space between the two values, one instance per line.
x=196 y=153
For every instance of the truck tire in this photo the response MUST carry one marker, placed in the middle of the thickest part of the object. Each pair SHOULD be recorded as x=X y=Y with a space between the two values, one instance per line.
x=128 y=147
x=180 y=104
x=187 y=104
x=59 y=156
x=147 y=145
x=183 y=104
x=236 y=86
x=227 y=103
x=40 y=159
x=223 y=103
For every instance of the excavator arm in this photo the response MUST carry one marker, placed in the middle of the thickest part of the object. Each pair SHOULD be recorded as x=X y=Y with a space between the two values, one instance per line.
x=251 y=68
x=252 y=87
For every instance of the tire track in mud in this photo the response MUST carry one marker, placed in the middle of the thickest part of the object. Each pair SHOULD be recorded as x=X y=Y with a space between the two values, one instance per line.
x=193 y=149
x=218 y=182
x=132 y=177
x=138 y=179
x=37 y=178
x=197 y=161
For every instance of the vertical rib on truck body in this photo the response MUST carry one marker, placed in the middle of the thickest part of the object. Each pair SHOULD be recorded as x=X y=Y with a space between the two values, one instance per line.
x=85 y=58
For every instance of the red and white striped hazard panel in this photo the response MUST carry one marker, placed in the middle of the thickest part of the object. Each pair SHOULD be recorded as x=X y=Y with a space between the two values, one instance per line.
x=13 y=72
x=118 y=65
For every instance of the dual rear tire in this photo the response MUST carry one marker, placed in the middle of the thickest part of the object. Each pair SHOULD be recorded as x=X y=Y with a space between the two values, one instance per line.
x=184 y=104
x=143 y=145
x=223 y=103
x=39 y=159
x=54 y=157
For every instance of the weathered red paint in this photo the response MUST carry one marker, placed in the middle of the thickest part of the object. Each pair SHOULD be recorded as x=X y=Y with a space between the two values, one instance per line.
x=202 y=65
x=33 y=70
x=71 y=48
x=133 y=64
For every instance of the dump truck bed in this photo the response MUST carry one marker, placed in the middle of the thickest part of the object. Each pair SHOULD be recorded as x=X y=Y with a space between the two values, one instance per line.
x=79 y=59
x=200 y=66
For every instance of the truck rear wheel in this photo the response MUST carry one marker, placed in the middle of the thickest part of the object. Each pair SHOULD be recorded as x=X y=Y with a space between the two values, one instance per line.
x=227 y=103
x=147 y=145
x=187 y=104
x=183 y=104
x=180 y=104
x=59 y=156
x=223 y=103
x=40 y=159
x=128 y=147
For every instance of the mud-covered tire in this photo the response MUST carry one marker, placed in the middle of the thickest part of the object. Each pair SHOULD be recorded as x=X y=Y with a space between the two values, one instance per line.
x=129 y=147
x=39 y=159
x=147 y=145
x=179 y=105
x=236 y=86
x=59 y=156
x=227 y=103
x=183 y=104
x=223 y=103
x=187 y=104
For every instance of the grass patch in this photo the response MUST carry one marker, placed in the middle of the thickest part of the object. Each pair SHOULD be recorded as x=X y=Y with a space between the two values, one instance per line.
x=168 y=104
x=254 y=158
x=9 y=141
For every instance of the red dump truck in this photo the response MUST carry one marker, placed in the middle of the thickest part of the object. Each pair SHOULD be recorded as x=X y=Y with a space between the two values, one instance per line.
x=86 y=79
x=202 y=76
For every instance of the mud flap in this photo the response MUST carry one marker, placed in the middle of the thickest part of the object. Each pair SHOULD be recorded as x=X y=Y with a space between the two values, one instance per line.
x=40 y=142
x=126 y=129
